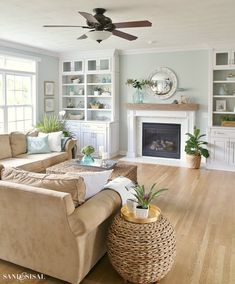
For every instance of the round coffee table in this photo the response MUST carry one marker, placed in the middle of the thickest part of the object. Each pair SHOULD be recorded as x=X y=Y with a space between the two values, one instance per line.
x=141 y=253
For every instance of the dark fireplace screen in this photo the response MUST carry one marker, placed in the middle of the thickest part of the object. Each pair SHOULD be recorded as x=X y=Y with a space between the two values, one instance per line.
x=161 y=140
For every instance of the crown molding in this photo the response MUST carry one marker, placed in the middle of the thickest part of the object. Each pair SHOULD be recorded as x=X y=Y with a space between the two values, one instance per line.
x=162 y=49
x=89 y=53
x=19 y=46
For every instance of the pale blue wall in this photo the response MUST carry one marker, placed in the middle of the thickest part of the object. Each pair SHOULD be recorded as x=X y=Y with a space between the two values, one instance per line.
x=48 y=70
x=191 y=68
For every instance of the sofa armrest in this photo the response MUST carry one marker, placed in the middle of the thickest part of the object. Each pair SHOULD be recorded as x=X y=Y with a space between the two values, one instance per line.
x=94 y=212
x=69 y=145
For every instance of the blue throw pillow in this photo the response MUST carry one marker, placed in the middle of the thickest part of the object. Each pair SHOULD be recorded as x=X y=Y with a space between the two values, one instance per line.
x=38 y=145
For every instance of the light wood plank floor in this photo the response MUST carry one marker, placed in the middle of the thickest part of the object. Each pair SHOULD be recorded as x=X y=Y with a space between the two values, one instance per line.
x=201 y=206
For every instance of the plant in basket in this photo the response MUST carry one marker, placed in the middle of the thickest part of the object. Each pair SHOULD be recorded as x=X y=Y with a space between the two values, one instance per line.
x=143 y=199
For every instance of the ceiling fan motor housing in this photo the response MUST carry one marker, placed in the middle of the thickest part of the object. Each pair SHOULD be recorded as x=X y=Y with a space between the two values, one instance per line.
x=105 y=23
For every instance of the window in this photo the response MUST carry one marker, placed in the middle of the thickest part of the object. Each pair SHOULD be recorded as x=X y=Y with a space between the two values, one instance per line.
x=17 y=94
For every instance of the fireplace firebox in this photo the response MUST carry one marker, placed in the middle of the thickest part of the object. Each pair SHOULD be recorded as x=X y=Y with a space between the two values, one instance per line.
x=161 y=140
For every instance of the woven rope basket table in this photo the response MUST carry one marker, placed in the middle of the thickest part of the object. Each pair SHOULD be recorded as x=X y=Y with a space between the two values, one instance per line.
x=141 y=253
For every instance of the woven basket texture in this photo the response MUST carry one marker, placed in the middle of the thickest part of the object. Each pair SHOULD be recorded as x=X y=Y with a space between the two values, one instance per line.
x=141 y=253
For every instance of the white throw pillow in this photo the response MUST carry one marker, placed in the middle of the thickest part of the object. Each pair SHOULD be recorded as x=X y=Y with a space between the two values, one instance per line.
x=54 y=140
x=94 y=181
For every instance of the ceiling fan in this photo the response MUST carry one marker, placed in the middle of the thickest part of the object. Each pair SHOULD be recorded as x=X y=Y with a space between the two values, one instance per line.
x=101 y=27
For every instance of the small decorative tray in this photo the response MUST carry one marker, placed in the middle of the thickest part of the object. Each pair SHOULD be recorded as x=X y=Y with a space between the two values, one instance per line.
x=154 y=213
x=99 y=164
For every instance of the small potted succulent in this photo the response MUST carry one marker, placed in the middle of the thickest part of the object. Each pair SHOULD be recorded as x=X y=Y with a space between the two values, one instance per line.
x=87 y=151
x=143 y=199
x=97 y=91
x=194 y=149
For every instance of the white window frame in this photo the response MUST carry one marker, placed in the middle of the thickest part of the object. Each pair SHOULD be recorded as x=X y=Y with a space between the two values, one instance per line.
x=34 y=78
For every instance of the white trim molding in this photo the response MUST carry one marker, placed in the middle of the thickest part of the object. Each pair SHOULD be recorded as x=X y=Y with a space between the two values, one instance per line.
x=15 y=45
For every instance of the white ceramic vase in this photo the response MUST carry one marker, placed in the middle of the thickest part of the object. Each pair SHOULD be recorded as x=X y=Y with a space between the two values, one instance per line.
x=141 y=213
x=131 y=205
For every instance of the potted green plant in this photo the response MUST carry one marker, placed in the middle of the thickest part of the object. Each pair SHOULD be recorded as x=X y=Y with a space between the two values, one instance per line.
x=87 y=151
x=143 y=199
x=97 y=91
x=52 y=123
x=138 y=96
x=194 y=149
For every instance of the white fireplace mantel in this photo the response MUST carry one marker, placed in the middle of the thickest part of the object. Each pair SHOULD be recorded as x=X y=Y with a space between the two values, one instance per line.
x=183 y=115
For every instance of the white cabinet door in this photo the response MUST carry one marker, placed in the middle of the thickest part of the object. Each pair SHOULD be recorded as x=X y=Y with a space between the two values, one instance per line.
x=94 y=139
x=98 y=65
x=224 y=59
x=232 y=152
x=219 y=151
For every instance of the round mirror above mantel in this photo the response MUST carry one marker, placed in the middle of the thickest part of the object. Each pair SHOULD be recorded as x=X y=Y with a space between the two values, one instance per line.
x=164 y=82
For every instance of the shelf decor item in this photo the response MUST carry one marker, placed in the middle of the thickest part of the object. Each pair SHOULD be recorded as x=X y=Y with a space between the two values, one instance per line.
x=194 y=149
x=228 y=121
x=87 y=158
x=96 y=105
x=97 y=91
x=220 y=105
x=138 y=95
x=144 y=199
x=49 y=88
x=223 y=90
x=231 y=77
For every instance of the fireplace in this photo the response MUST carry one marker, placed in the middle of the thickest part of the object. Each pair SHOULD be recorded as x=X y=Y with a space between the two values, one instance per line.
x=161 y=140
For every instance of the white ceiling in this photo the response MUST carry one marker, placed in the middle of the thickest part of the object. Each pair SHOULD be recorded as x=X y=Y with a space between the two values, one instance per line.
x=176 y=23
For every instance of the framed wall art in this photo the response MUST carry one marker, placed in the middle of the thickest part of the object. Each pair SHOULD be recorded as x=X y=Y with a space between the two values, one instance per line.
x=49 y=104
x=49 y=88
x=220 y=105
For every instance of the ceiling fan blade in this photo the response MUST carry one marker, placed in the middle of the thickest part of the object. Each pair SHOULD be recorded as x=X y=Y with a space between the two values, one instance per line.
x=82 y=37
x=64 y=26
x=134 y=24
x=90 y=18
x=124 y=35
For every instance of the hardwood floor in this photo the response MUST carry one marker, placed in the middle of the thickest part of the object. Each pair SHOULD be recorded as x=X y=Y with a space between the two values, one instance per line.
x=201 y=206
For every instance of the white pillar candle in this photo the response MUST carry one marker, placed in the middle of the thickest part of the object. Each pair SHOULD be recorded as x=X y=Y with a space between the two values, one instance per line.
x=104 y=155
x=101 y=151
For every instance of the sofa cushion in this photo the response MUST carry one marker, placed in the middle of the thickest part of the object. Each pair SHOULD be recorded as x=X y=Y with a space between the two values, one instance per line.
x=94 y=181
x=54 y=140
x=38 y=145
x=35 y=162
x=5 y=147
x=18 y=143
x=73 y=185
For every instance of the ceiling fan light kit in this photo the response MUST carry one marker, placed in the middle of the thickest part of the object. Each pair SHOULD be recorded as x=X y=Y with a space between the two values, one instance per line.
x=102 y=27
x=98 y=35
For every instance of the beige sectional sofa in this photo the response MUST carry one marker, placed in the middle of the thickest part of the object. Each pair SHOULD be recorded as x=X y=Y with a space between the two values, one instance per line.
x=42 y=230
x=13 y=153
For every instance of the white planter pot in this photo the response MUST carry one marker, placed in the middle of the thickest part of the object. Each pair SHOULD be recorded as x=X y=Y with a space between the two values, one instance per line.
x=96 y=93
x=131 y=205
x=141 y=213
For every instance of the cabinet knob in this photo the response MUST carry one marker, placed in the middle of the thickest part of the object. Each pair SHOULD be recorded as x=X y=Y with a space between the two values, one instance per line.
x=220 y=133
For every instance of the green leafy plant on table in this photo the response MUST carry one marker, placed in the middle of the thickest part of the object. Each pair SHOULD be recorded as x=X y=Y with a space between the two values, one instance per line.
x=143 y=198
x=88 y=150
x=194 y=148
